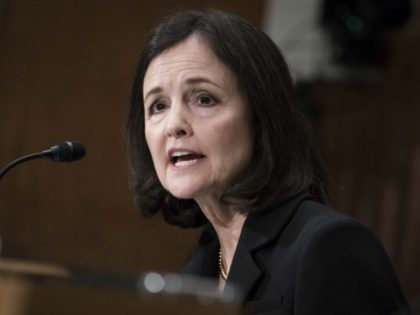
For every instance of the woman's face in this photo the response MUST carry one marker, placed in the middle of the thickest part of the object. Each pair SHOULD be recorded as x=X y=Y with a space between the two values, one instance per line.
x=197 y=124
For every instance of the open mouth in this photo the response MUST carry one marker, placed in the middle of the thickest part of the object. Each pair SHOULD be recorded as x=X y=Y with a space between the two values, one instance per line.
x=183 y=158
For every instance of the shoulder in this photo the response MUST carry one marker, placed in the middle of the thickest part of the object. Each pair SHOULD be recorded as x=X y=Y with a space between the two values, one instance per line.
x=341 y=260
x=324 y=262
x=299 y=226
x=334 y=242
x=332 y=238
x=316 y=223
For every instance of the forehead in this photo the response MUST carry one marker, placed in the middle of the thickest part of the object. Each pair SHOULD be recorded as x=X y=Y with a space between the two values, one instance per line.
x=190 y=57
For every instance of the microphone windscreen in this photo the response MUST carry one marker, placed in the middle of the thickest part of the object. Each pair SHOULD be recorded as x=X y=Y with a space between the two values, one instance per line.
x=79 y=150
x=68 y=151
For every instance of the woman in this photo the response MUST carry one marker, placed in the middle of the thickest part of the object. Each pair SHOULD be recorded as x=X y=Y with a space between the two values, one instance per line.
x=214 y=138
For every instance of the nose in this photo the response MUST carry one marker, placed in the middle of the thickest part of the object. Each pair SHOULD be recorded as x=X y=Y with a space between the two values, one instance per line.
x=178 y=122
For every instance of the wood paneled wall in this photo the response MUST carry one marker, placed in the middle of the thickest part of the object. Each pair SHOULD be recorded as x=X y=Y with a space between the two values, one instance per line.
x=65 y=72
x=371 y=138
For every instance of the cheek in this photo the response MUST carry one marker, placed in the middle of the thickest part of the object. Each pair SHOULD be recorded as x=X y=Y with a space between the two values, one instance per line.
x=243 y=142
x=153 y=144
x=234 y=143
x=149 y=141
x=155 y=149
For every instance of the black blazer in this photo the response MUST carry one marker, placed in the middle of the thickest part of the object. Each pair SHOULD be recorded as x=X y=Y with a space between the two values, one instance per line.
x=305 y=258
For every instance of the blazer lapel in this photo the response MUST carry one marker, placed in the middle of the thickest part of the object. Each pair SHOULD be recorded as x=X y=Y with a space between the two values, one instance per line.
x=259 y=229
x=244 y=272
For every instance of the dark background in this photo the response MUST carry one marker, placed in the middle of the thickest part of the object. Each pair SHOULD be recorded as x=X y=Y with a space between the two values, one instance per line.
x=65 y=72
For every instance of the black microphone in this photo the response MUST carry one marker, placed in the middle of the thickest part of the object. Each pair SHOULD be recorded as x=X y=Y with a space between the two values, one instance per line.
x=68 y=151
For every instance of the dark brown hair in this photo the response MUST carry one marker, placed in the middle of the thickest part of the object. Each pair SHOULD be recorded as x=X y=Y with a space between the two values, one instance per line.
x=285 y=160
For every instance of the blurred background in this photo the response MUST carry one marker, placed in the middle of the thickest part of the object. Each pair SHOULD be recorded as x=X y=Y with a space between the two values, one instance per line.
x=65 y=74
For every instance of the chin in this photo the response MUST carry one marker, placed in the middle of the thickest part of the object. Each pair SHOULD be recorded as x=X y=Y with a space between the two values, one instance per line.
x=184 y=188
x=181 y=193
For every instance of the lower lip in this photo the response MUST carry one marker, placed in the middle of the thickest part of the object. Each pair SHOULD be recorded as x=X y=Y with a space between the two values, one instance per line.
x=186 y=164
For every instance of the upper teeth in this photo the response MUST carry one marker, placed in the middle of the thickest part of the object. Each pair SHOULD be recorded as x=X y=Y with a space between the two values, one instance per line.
x=179 y=153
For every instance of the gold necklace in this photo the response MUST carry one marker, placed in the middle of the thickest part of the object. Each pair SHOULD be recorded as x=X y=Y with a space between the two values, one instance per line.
x=222 y=271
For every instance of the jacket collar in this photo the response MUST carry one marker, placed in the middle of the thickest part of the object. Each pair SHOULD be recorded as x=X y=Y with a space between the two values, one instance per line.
x=263 y=226
x=259 y=228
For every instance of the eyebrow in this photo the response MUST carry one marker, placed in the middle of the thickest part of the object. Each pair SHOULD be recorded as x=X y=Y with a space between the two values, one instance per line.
x=190 y=81
x=196 y=80
x=155 y=90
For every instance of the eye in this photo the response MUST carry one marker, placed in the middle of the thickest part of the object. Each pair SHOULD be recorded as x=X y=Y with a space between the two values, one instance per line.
x=157 y=107
x=206 y=99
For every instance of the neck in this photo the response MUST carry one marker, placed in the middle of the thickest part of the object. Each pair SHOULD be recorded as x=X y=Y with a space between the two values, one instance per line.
x=227 y=222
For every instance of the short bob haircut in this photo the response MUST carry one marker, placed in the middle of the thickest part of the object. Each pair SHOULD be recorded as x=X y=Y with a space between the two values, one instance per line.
x=285 y=160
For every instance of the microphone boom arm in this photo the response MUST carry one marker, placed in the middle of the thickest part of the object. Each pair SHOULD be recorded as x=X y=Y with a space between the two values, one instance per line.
x=8 y=167
x=68 y=151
